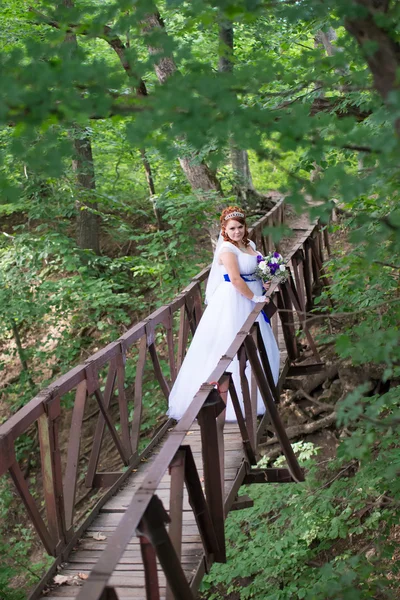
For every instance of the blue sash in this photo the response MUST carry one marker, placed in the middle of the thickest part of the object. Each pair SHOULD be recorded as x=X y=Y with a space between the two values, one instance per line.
x=248 y=278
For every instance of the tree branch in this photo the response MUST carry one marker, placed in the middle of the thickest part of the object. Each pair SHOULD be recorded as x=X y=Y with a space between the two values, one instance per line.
x=107 y=35
x=384 y=264
x=333 y=104
x=45 y=20
x=357 y=148
x=22 y=114
x=304 y=429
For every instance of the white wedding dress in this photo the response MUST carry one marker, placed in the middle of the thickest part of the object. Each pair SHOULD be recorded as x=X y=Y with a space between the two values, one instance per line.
x=222 y=319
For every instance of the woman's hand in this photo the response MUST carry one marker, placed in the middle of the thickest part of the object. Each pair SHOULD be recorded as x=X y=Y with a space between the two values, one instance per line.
x=266 y=285
x=258 y=299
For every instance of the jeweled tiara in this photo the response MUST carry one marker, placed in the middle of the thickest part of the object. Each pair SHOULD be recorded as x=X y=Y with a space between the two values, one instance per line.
x=234 y=214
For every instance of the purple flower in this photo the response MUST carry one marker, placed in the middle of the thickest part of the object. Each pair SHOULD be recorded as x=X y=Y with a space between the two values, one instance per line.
x=277 y=255
x=273 y=268
x=259 y=258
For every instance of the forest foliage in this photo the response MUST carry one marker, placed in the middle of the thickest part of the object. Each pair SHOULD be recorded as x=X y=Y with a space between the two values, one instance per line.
x=125 y=125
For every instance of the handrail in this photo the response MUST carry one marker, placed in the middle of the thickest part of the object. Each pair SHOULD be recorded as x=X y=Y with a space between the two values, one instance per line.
x=58 y=529
x=146 y=515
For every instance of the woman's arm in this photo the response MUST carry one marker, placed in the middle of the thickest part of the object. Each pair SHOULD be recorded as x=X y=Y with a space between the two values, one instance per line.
x=230 y=263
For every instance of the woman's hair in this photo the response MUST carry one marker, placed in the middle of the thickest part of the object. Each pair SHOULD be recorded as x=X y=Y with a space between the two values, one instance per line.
x=234 y=212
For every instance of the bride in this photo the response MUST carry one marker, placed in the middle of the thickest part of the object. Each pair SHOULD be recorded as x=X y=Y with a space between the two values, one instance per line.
x=232 y=290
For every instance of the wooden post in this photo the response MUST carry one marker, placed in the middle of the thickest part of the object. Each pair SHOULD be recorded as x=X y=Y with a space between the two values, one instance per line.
x=153 y=525
x=177 y=472
x=149 y=564
x=200 y=508
x=247 y=404
x=286 y=316
x=211 y=464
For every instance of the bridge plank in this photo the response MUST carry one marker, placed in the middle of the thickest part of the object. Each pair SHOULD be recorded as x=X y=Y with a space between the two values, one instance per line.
x=90 y=544
x=129 y=558
x=121 y=579
x=71 y=592
x=134 y=567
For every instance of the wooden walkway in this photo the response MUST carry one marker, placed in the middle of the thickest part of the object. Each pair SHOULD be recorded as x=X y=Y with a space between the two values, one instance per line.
x=128 y=577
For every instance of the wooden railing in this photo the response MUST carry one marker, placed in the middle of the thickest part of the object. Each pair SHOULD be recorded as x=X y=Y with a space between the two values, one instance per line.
x=101 y=379
x=159 y=531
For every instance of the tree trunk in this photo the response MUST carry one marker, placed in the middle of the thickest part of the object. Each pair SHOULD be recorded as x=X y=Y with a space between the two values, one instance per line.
x=241 y=167
x=197 y=173
x=88 y=226
x=378 y=45
x=226 y=35
x=165 y=65
x=87 y=222
x=326 y=39
x=239 y=157
x=152 y=189
x=243 y=186
x=148 y=171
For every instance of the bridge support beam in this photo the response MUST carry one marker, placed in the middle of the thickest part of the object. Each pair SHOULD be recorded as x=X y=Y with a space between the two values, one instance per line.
x=242 y=502
x=268 y=476
x=213 y=477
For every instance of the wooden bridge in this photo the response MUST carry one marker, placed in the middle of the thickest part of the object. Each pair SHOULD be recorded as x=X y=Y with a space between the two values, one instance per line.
x=160 y=523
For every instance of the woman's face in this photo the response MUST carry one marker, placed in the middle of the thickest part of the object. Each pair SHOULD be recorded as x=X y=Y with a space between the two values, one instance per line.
x=235 y=230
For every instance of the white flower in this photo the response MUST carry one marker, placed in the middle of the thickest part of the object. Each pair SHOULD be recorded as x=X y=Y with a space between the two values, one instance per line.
x=262 y=265
x=274 y=261
x=282 y=268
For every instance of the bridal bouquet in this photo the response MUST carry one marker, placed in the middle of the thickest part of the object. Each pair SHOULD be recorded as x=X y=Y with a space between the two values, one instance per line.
x=271 y=266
